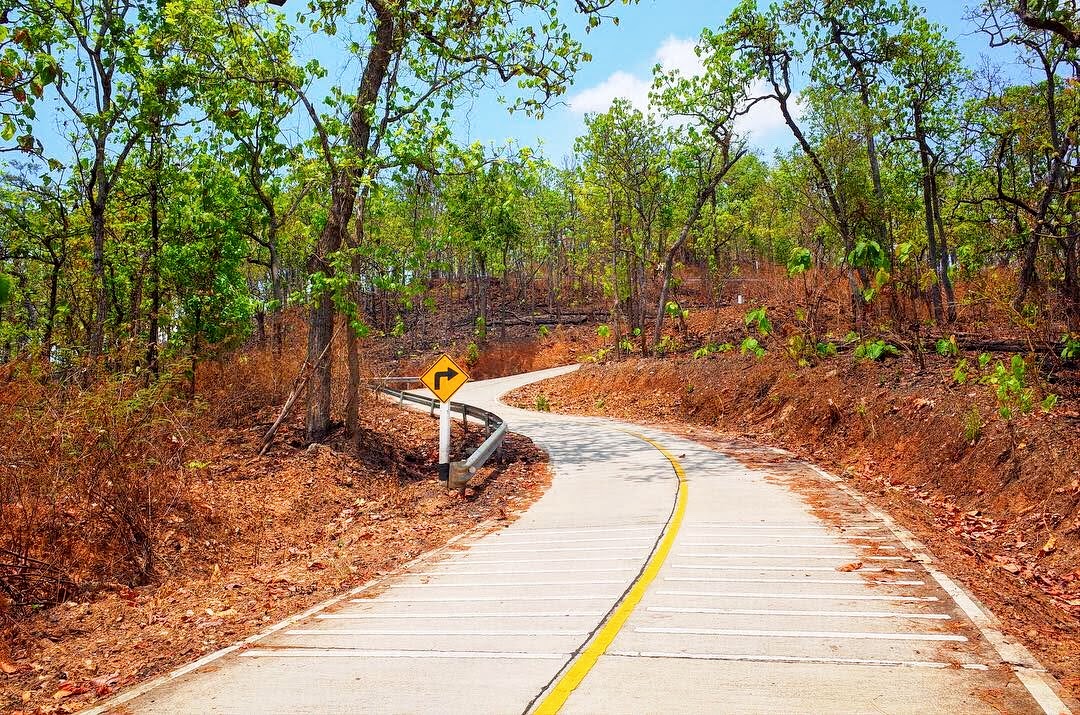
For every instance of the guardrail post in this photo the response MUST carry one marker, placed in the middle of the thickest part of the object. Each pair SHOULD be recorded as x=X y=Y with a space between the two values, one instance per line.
x=444 y=442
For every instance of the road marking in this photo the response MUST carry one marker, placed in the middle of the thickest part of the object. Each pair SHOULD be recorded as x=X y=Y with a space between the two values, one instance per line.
x=787 y=556
x=861 y=581
x=518 y=542
x=825 y=614
x=399 y=632
x=847 y=547
x=525 y=572
x=828 y=635
x=780 y=527
x=519 y=584
x=454 y=599
x=579 y=667
x=466 y=614
x=548 y=561
x=800 y=659
x=792 y=538
x=589 y=530
x=830 y=569
x=799 y=596
x=363 y=653
x=501 y=549
x=1040 y=684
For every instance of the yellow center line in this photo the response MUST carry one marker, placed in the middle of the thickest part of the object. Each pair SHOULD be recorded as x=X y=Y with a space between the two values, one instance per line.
x=584 y=663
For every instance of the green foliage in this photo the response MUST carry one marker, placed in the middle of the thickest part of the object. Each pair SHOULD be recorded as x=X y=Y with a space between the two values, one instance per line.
x=542 y=403
x=760 y=320
x=753 y=347
x=961 y=372
x=1049 y=402
x=876 y=350
x=799 y=261
x=674 y=311
x=472 y=353
x=668 y=344
x=712 y=349
x=399 y=326
x=947 y=348
x=1070 y=346
x=603 y=332
x=825 y=350
x=1013 y=394
x=972 y=425
x=544 y=331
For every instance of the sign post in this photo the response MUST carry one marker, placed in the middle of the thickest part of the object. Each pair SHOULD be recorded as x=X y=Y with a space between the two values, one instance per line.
x=444 y=378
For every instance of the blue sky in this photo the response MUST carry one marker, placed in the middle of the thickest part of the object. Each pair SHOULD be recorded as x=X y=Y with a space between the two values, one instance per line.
x=623 y=58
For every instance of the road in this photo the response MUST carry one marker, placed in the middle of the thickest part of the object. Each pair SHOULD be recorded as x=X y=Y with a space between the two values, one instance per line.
x=655 y=576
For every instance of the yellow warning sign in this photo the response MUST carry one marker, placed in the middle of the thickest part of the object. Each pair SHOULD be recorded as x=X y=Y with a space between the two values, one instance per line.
x=444 y=378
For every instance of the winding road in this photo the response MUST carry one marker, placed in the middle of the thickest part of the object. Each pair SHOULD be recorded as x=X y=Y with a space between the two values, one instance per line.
x=655 y=576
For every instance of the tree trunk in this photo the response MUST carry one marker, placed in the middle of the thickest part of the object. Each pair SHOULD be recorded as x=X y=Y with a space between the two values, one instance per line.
x=343 y=198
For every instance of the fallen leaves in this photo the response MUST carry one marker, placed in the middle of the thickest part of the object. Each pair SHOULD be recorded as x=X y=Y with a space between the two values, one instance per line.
x=847 y=568
x=7 y=667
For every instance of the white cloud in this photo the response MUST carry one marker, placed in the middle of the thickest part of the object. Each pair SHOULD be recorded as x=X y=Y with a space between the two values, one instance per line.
x=674 y=54
x=763 y=125
x=620 y=85
x=678 y=54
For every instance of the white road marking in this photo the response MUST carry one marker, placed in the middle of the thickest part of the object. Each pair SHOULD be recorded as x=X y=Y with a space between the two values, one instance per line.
x=799 y=596
x=540 y=542
x=360 y=653
x=799 y=659
x=398 y=632
x=780 y=527
x=466 y=614
x=1040 y=684
x=526 y=572
x=846 y=635
x=518 y=584
x=785 y=545
x=833 y=557
x=640 y=557
x=792 y=538
x=596 y=530
x=862 y=581
x=824 y=614
x=486 y=550
x=606 y=597
x=830 y=569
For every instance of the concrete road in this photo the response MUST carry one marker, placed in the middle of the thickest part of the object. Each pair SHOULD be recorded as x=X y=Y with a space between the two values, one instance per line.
x=629 y=588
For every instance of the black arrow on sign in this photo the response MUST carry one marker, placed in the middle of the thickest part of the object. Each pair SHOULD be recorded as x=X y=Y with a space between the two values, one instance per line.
x=449 y=373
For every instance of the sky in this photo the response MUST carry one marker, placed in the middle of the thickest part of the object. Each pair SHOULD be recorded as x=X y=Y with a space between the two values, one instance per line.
x=650 y=31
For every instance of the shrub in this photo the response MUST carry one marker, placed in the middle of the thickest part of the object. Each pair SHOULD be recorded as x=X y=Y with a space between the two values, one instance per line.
x=752 y=346
x=711 y=349
x=876 y=350
x=542 y=403
x=947 y=348
x=972 y=425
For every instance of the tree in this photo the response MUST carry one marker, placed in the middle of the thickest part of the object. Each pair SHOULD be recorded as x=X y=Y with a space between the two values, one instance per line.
x=709 y=146
x=421 y=56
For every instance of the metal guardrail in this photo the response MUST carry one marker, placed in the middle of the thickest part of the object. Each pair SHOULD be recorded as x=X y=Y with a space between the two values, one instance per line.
x=496 y=426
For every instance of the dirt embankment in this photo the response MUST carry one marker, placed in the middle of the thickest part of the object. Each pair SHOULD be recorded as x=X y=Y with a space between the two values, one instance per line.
x=997 y=500
x=259 y=538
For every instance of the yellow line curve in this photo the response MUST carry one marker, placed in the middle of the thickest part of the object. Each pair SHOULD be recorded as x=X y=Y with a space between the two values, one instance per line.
x=584 y=663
